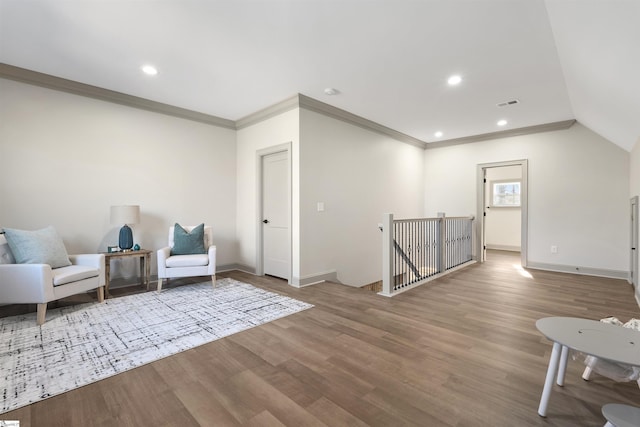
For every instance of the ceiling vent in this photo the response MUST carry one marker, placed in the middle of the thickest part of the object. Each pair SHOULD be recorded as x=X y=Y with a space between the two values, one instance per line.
x=507 y=103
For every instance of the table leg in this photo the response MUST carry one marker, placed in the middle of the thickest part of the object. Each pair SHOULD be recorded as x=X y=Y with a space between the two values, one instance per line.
x=147 y=271
x=107 y=272
x=563 y=365
x=548 y=382
x=141 y=270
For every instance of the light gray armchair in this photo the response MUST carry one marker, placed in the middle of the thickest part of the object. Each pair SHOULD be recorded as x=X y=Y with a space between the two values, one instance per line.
x=171 y=265
x=32 y=283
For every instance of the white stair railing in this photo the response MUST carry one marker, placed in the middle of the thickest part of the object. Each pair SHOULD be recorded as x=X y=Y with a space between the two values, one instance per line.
x=421 y=249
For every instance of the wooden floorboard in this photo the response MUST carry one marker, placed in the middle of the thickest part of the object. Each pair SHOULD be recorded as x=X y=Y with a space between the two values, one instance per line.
x=462 y=350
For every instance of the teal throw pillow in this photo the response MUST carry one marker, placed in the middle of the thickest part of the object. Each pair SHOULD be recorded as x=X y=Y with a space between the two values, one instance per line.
x=188 y=243
x=37 y=247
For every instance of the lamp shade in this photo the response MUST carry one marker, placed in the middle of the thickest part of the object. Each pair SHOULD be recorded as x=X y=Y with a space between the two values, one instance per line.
x=127 y=214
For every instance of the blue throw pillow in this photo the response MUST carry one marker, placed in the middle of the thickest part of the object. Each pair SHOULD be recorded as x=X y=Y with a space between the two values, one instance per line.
x=188 y=243
x=37 y=247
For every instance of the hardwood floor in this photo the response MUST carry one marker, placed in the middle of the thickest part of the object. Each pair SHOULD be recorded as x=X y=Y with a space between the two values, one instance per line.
x=460 y=351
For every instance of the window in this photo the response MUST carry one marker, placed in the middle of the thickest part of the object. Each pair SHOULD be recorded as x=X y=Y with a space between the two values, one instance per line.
x=505 y=194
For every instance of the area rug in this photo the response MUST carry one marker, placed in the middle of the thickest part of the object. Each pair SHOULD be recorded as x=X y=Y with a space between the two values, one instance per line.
x=85 y=343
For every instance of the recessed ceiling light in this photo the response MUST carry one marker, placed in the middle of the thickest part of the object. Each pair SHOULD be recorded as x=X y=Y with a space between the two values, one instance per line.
x=454 y=80
x=331 y=91
x=438 y=134
x=149 y=70
x=502 y=122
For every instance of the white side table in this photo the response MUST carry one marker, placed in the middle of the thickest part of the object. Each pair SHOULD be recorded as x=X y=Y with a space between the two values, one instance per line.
x=619 y=415
x=602 y=340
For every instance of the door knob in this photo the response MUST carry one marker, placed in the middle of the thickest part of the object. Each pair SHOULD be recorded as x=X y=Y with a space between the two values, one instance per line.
x=265 y=221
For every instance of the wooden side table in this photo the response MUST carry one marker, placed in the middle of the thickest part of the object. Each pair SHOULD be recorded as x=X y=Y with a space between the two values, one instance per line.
x=144 y=270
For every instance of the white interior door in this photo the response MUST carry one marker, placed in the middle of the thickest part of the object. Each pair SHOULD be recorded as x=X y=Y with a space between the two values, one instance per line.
x=483 y=218
x=275 y=215
x=634 y=242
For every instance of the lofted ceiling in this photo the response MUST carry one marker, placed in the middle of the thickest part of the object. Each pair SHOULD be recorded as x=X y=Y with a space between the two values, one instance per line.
x=389 y=60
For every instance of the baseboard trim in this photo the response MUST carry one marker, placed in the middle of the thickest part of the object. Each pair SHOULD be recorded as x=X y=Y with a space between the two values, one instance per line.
x=231 y=267
x=504 y=248
x=587 y=271
x=328 y=276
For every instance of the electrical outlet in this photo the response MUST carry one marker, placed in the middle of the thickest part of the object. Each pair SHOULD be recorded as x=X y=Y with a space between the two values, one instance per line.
x=554 y=249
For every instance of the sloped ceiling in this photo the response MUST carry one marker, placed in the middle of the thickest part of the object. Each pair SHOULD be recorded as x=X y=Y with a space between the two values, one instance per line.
x=598 y=46
x=389 y=60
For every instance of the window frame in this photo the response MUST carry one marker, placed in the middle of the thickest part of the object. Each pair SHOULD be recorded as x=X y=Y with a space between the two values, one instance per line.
x=506 y=181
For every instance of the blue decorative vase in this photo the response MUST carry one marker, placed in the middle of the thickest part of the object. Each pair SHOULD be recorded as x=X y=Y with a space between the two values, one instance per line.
x=126 y=238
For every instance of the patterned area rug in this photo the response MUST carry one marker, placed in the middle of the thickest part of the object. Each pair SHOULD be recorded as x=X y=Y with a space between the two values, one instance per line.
x=85 y=343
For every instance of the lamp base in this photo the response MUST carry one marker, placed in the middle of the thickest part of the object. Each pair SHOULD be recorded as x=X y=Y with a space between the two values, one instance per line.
x=125 y=240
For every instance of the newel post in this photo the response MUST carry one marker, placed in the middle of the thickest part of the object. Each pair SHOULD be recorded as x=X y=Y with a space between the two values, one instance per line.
x=387 y=254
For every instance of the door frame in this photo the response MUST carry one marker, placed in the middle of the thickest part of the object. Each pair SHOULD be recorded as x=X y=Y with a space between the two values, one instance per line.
x=633 y=243
x=524 y=207
x=260 y=154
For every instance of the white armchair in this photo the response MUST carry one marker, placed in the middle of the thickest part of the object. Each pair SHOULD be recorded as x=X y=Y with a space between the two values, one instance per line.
x=174 y=266
x=40 y=284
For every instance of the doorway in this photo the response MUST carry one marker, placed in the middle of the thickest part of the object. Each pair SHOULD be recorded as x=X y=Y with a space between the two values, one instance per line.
x=501 y=209
x=274 y=212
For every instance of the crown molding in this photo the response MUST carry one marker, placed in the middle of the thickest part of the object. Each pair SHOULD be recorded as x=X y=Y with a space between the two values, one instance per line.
x=23 y=75
x=267 y=113
x=547 y=127
x=312 y=104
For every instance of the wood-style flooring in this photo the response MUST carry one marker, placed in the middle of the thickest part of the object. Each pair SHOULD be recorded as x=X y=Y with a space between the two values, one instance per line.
x=459 y=351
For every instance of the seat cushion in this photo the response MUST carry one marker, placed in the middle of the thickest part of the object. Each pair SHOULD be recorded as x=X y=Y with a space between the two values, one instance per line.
x=73 y=273
x=187 y=260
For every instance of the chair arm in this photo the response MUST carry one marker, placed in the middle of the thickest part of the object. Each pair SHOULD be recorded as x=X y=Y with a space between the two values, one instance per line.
x=163 y=254
x=90 y=260
x=26 y=283
x=212 y=260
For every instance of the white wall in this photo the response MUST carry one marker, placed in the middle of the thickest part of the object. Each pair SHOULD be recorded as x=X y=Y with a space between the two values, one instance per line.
x=359 y=175
x=634 y=170
x=65 y=159
x=280 y=129
x=502 y=225
x=578 y=193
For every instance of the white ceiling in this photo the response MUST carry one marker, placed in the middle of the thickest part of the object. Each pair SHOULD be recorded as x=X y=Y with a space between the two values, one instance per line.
x=390 y=59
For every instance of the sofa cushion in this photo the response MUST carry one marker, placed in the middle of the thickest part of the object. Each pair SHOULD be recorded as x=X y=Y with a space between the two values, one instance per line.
x=73 y=273
x=37 y=247
x=197 y=260
x=188 y=242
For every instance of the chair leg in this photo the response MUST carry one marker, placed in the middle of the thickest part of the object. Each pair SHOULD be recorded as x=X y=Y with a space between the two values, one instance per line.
x=42 y=312
x=101 y=294
x=213 y=280
x=586 y=374
x=159 y=284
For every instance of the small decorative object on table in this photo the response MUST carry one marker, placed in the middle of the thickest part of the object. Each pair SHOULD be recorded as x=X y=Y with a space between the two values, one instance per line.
x=136 y=247
x=111 y=249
